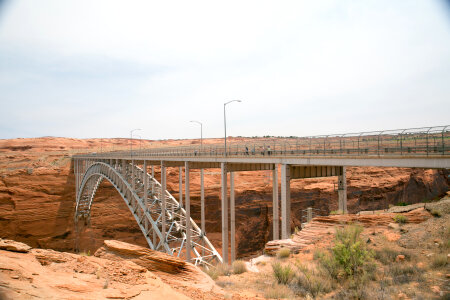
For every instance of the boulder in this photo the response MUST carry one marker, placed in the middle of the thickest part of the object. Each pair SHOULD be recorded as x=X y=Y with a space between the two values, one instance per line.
x=11 y=245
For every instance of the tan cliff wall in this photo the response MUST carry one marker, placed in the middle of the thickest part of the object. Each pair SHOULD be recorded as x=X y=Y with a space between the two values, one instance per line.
x=37 y=197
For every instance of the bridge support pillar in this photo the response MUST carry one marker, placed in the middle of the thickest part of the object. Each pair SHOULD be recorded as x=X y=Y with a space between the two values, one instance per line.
x=163 y=200
x=224 y=213
x=232 y=219
x=188 y=212
x=309 y=214
x=342 y=191
x=153 y=184
x=124 y=168
x=202 y=207
x=285 y=202
x=181 y=185
x=145 y=180
x=275 y=216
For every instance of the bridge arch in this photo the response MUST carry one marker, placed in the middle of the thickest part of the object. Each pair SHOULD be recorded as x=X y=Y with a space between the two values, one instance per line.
x=147 y=212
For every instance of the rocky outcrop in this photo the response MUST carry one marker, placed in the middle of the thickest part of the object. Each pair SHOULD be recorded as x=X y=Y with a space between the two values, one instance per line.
x=170 y=269
x=324 y=227
x=11 y=245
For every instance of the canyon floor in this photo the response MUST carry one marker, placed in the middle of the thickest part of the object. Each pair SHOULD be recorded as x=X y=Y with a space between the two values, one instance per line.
x=410 y=260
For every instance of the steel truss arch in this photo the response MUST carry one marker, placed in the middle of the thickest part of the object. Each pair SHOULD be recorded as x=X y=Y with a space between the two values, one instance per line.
x=147 y=212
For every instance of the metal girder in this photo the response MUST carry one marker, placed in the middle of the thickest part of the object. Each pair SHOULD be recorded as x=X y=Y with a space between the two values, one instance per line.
x=147 y=211
x=249 y=167
x=315 y=171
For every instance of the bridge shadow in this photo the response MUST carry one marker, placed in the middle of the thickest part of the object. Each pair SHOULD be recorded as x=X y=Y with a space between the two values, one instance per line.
x=63 y=237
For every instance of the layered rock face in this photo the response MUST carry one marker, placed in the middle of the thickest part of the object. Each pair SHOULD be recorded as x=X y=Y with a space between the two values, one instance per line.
x=37 y=197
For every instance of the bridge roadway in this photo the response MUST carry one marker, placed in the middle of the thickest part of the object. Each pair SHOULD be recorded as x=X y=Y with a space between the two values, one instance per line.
x=309 y=157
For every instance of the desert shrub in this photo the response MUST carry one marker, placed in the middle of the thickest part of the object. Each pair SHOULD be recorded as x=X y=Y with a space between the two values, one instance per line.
x=349 y=250
x=224 y=283
x=218 y=270
x=311 y=281
x=278 y=291
x=401 y=204
x=400 y=219
x=239 y=267
x=439 y=261
x=402 y=273
x=436 y=212
x=283 y=253
x=388 y=255
x=328 y=263
x=283 y=274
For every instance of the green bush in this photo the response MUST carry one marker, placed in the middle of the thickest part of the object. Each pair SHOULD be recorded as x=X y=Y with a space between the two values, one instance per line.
x=283 y=253
x=239 y=267
x=283 y=274
x=401 y=219
x=349 y=250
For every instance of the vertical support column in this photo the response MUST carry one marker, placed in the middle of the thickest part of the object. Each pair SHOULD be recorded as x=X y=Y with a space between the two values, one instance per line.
x=188 y=212
x=276 y=217
x=232 y=219
x=202 y=207
x=124 y=167
x=285 y=202
x=75 y=171
x=163 y=200
x=133 y=176
x=309 y=214
x=153 y=183
x=224 y=213
x=181 y=185
x=342 y=191
x=145 y=180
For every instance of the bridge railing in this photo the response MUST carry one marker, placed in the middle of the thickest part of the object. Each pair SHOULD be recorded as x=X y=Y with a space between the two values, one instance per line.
x=426 y=141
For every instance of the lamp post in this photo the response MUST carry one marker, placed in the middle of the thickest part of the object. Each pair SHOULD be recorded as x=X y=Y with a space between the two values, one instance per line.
x=131 y=154
x=201 y=134
x=131 y=140
x=225 y=121
x=140 y=141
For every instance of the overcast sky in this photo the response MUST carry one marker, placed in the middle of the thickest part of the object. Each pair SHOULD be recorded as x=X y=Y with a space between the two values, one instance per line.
x=101 y=68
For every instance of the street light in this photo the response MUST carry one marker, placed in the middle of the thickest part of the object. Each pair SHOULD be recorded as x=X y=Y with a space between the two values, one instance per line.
x=225 y=121
x=201 y=134
x=131 y=139
x=140 y=141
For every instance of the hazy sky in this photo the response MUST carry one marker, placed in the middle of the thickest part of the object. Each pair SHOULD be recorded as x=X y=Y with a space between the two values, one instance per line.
x=101 y=68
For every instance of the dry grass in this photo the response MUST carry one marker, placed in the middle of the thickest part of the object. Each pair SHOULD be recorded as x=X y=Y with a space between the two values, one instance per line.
x=439 y=261
x=283 y=253
x=400 y=219
x=239 y=267
x=283 y=274
x=218 y=270
x=278 y=291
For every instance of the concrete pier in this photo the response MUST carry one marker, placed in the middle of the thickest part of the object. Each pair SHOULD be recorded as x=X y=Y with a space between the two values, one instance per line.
x=223 y=167
x=163 y=200
x=342 y=192
x=275 y=216
x=232 y=219
x=285 y=202
x=188 y=213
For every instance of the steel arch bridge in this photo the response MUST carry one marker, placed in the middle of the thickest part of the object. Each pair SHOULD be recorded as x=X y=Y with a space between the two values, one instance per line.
x=143 y=194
